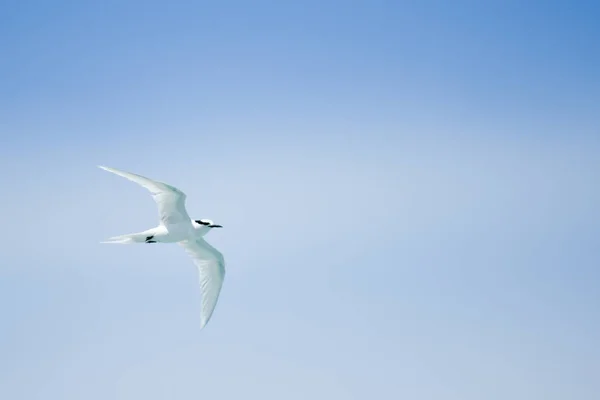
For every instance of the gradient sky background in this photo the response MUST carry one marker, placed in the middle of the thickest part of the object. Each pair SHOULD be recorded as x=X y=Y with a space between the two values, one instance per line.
x=409 y=192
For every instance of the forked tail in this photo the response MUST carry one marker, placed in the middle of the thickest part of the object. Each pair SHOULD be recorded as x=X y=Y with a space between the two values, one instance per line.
x=131 y=238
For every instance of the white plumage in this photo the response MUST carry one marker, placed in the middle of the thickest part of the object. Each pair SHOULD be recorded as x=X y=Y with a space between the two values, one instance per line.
x=176 y=226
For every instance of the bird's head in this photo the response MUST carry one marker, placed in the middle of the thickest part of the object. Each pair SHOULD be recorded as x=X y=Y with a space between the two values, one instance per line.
x=207 y=222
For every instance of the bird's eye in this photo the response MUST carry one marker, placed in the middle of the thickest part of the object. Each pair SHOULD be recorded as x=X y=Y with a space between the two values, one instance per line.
x=202 y=222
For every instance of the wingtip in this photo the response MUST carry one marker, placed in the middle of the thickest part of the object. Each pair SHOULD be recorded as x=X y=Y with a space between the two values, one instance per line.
x=109 y=169
x=203 y=322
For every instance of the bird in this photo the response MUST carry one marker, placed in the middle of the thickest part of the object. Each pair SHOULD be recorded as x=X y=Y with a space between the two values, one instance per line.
x=176 y=226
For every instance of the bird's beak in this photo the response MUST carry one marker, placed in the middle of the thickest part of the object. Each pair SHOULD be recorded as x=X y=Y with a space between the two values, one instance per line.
x=215 y=226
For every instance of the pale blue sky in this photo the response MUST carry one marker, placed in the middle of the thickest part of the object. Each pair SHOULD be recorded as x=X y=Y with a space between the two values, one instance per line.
x=409 y=193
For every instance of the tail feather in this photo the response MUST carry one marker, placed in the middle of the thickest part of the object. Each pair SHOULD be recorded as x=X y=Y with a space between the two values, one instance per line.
x=125 y=239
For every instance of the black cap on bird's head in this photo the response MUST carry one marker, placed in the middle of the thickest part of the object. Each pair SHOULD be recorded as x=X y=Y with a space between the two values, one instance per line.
x=207 y=222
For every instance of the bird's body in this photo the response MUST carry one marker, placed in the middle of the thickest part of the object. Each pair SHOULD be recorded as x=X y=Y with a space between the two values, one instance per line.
x=177 y=227
x=161 y=234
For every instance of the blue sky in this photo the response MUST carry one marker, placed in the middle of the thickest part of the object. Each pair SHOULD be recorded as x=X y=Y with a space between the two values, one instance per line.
x=409 y=193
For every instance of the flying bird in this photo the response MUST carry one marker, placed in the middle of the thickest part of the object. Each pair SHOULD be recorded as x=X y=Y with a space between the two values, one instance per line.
x=176 y=226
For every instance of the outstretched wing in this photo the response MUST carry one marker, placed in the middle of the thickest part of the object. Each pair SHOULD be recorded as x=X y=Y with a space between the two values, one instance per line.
x=169 y=199
x=211 y=268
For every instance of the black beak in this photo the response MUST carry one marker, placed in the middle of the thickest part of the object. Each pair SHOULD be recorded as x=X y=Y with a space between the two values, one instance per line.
x=215 y=226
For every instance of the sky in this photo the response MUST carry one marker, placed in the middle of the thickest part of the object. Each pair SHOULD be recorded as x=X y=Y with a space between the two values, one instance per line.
x=409 y=194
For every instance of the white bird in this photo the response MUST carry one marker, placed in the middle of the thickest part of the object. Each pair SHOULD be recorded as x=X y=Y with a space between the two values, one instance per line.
x=177 y=227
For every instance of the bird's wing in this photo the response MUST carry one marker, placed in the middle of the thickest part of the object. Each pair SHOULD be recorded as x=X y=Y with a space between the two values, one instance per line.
x=211 y=268
x=169 y=199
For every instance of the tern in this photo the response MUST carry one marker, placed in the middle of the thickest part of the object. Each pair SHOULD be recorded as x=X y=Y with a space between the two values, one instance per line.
x=176 y=226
